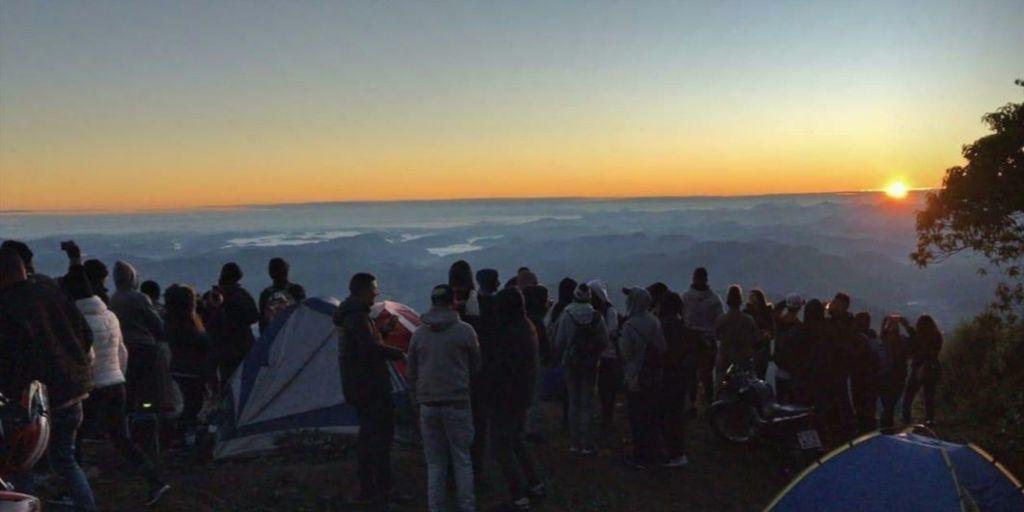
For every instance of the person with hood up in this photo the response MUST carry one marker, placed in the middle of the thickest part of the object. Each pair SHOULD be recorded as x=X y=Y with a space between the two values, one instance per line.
x=701 y=309
x=230 y=320
x=642 y=342
x=443 y=356
x=581 y=337
x=41 y=338
x=680 y=375
x=537 y=305
x=736 y=332
x=363 y=360
x=515 y=368
x=609 y=373
x=566 y=287
x=280 y=294
x=486 y=326
x=142 y=329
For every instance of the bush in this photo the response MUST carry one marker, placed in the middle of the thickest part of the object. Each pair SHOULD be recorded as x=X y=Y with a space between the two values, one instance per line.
x=982 y=391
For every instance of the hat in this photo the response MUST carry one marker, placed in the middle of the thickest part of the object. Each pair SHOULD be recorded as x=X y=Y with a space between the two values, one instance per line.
x=21 y=248
x=582 y=293
x=794 y=301
x=442 y=295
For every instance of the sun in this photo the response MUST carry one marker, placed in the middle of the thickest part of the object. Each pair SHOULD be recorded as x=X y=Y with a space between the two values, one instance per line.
x=896 y=190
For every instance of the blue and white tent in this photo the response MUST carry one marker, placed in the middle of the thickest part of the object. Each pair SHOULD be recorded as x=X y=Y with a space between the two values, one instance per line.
x=289 y=382
x=905 y=472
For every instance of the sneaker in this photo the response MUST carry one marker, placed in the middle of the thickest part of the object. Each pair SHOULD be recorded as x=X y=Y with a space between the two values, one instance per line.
x=156 y=493
x=521 y=504
x=677 y=462
x=587 y=451
x=637 y=463
x=537 y=492
x=574 y=449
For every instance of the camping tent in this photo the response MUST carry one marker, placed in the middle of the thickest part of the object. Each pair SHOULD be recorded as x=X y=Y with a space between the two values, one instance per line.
x=290 y=382
x=906 y=472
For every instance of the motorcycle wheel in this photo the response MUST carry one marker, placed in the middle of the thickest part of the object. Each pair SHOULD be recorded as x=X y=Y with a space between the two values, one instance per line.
x=731 y=421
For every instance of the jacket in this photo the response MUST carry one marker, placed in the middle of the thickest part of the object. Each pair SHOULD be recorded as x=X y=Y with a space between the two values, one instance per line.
x=701 y=308
x=575 y=316
x=110 y=356
x=641 y=330
x=231 y=325
x=611 y=318
x=140 y=322
x=515 y=354
x=736 y=332
x=41 y=338
x=443 y=357
x=295 y=292
x=362 y=356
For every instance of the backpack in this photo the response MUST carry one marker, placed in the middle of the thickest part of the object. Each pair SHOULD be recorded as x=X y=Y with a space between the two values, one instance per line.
x=584 y=347
x=278 y=302
x=652 y=371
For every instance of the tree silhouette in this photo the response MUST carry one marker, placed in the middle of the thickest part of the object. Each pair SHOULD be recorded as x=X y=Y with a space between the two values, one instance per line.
x=980 y=207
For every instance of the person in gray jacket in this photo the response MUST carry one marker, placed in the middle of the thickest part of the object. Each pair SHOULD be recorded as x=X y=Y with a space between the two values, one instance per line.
x=580 y=338
x=443 y=356
x=701 y=309
x=736 y=332
x=642 y=343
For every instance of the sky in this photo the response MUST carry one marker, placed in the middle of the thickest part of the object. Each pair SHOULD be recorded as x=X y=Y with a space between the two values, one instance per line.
x=175 y=104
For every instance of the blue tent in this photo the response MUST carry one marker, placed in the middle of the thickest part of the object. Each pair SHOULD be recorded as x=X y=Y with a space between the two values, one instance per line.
x=289 y=382
x=905 y=472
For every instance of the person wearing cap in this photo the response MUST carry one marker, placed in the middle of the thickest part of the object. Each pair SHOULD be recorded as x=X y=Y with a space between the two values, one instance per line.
x=736 y=332
x=701 y=309
x=609 y=372
x=443 y=356
x=580 y=338
x=230 y=321
x=784 y=358
x=642 y=342
x=280 y=294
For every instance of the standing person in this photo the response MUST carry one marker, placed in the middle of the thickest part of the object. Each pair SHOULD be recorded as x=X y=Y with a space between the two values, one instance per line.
x=813 y=363
x=643 y=354
x=566 y=288
x=443 y=356
x=97 y=274
x=460 y=279
x=736 y=332
x=701 y=309
x=609 y=372
x=895 y=350
x=786 y=355
x=42 y=338
x=680 y=376
x=925 y=343
x=280 y=294
x=537 y=305
x=192 y=364
x=151 y=289
x=844 y=342
x=864 y=379
x=761 y=311
x=486 y=329
x=230 y=321
x=25 y=253
x=580 y=338
x=515 y=368
x=142 y=329
x=366 y=383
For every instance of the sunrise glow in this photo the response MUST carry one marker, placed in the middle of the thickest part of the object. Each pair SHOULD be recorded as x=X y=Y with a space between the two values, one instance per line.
x=896 y=190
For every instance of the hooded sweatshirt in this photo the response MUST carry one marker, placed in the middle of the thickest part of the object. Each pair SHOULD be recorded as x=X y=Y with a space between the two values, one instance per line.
x=611 y=318
x=362 y=355
x=640 y=330
x=736 y=332
x=701 y=308
x=577 y=315
x=140 y=322
x=443 y=356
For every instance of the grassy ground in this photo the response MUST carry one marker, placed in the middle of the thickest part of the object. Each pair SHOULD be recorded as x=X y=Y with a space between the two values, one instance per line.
x=719 y=477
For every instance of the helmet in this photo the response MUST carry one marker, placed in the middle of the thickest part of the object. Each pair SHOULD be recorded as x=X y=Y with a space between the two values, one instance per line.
x=24 y=429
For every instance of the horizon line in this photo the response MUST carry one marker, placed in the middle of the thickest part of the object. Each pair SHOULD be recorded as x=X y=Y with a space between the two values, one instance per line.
x=246 y=206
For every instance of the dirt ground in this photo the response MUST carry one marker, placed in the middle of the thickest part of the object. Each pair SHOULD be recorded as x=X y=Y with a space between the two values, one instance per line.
x=311 y=478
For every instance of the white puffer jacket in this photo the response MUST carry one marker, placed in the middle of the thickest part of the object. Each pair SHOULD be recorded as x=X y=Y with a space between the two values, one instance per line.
x=110 y=356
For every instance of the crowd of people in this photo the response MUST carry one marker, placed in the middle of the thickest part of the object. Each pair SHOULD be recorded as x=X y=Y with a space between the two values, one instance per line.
x=475 y=369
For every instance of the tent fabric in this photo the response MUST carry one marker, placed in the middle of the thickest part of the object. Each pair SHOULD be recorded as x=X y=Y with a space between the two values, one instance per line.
x=906 y=472
x=289 y=382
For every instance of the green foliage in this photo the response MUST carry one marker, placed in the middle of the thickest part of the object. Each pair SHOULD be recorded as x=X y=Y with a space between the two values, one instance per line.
x=983 y=384
x=980 y=207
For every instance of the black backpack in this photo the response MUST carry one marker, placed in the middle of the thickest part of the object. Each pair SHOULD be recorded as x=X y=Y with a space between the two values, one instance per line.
x=652 y=371
x=584 y=347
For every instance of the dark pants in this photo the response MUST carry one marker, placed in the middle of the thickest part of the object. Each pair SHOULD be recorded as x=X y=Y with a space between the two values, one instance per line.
x=373 y=447
x=481 y=420
x=890 y=391
x=508 y=441
x=673 y=419
x=105 y=412
x=645 y=424
x=928 y=379
x=609 y=382
x=192 y=391
x=707 y=353
x=865 y=395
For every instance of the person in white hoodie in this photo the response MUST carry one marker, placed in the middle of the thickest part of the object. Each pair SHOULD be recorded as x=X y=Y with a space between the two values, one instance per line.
x=701 y=309
x=105 y=407
x=609 y=373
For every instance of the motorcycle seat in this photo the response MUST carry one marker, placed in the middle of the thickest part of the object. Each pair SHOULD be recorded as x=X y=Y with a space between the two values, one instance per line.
x=777 y=411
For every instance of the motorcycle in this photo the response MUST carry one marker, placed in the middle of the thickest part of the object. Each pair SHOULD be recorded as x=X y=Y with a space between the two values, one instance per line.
x=747 y=411
x=24 y=435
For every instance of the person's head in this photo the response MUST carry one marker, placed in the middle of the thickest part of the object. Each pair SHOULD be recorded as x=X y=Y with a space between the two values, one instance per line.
x=927 y=327
x=230 y=274
x=278 y=270
x=700 y=276
x=638 y=301
x=536 y=299
x=657 y=291
x=757 y=300
x=512 y=282
x=460 y=277
x=840 y=304
x=891 y=326
x=671 y=305
x=12 y=267
x=863 y=320
x=526 y=278
x=151 y=289
x=442 y=297
x=23 y=252
x=95 y=271
x=734 y=297
x=794 y=303
x=125 y=276
x=566 y=288
x=814 y=312
x=511 y=306
x=363 y=286
x=180 y=302
x=582 y=294
x=488 y=280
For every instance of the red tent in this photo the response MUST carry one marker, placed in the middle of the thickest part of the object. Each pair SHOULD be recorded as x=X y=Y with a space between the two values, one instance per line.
x=408 y=322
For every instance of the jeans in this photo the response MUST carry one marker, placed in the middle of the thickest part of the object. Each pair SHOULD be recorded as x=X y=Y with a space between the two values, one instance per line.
x=64 y=423
x=609 y=382
x=373 y=447
x=890 y=391
x=580 y=383
x=106 y=412
x=447 y=436
x=707 y=353
x=508 y=442
x=921 y=377
x=673 y=418
x=481 y=410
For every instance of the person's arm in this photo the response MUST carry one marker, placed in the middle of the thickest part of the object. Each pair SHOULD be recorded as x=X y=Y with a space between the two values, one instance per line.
x=412 y=369
x=247 y=310
x=298 y=292
x=153 y=322
x=370 y=344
